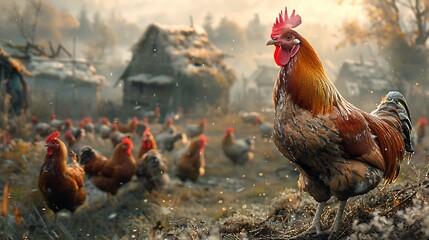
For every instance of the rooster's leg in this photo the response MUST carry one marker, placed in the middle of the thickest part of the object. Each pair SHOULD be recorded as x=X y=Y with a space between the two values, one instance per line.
x=316 y=227
x=339 y=217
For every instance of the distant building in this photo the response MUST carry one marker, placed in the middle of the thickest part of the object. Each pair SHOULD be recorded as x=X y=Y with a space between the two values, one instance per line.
x=175 y=66
x=67 y=87
x=363 y=83
x=255 y=91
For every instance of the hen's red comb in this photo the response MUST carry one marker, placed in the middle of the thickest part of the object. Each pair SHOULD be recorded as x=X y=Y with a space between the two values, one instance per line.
x=146 y=131
x=230 y=130
x=127 y=141
x=51 y=137
x=285 y=22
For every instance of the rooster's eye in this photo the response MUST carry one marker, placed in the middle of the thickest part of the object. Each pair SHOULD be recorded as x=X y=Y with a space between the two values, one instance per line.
x=288 y=37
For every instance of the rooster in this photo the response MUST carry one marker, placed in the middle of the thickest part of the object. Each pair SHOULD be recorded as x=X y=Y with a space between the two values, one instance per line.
x=109 y=175
x=152 y=170
x=339 y=150
x=189 y=161
x=239 y=151
x=61 y=185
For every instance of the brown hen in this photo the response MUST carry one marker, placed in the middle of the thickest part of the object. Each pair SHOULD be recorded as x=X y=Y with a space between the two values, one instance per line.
x=61 y=185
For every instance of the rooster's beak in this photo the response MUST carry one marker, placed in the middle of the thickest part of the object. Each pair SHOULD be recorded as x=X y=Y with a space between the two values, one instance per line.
x=269 y=42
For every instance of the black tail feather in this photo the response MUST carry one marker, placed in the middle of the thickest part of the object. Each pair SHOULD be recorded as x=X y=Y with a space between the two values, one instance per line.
x=404 y=115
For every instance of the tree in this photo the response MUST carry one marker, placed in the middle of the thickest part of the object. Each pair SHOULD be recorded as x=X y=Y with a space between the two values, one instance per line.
x=229 y=35
x=401 y=29
x=208 y=25
x=255 y=30
x=84 y=23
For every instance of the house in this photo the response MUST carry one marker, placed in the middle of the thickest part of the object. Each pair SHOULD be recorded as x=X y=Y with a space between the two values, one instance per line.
x=255 y=91
x=67 y=87
x=175 y=66
x=363 y=83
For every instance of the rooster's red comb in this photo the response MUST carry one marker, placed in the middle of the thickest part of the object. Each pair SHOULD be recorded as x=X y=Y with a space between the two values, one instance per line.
x=51 y=137
x=285 y=22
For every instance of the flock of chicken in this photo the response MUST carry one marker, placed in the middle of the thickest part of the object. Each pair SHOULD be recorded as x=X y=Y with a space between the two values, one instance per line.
x=61 y=181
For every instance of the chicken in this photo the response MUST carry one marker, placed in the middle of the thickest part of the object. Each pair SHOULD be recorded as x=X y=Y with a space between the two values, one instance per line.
x=169 y=127
x=420 y=130
x=148 y=143
x=339 y=150
x=61 y=185
x=152 y=170
x=166 y=140
x=250 y=117
x=141 y=126
x=92 y=161
x=265 y=129
x=115 y=135
x=239 y=151
x=130 y=127
x=89 y=128
x=40 y=129
x=195 y=130
x=88 y=125
x=153 y=116
x=73 y=139
x=109 y=175
x=103 y=127
x=189 y=161
x=56 y=124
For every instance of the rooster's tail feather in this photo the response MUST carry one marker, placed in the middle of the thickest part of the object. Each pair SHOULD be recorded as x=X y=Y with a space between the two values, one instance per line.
x=402 y=109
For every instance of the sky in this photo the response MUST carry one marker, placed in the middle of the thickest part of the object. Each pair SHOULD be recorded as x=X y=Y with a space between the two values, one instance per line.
x=177 y=12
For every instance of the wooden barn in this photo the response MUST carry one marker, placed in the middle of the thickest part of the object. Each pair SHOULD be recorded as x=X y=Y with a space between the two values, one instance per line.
x=67 y=87
x=175 y=66
x=364 y=83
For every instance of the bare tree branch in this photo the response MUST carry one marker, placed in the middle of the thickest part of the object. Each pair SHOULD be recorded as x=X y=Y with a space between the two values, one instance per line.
x=38 y=7
x=19 y=20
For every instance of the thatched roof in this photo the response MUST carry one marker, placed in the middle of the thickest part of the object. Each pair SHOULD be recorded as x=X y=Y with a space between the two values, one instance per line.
x=77 y=69
x=188 y=49
x=367 y=75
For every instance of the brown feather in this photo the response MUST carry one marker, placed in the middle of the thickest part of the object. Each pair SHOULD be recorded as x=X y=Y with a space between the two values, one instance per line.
x=391 y=145
x=308 y=84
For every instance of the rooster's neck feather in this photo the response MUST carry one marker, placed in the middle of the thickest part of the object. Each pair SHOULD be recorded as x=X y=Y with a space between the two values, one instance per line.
x=305 y=80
